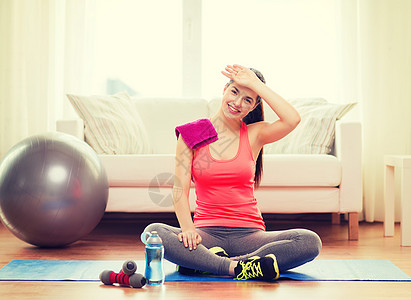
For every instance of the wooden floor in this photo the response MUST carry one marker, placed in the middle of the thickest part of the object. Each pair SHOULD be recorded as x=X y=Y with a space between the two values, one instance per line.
x=116 y=239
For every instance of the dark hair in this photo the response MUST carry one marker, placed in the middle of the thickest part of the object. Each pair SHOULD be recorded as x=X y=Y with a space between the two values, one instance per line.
x=256 y=115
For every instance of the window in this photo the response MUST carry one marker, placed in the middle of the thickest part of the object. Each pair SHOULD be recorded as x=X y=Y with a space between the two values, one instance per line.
x=171 y=48
x=138 y=47
x=292 y=42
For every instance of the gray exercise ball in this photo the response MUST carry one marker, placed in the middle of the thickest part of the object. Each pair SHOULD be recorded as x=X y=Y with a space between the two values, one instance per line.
x=53 y=190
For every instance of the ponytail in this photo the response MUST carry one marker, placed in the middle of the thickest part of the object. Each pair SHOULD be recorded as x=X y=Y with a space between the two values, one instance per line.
x=257 y=115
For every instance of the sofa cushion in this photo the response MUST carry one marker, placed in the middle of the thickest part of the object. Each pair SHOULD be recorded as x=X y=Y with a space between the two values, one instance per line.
x=111 y=124
x=304 y=170
x=139 y=199
x=279 y=170
x=316 y=131
x=160 y=125
x=270 y=200
x=297 y=200
x=138 y=170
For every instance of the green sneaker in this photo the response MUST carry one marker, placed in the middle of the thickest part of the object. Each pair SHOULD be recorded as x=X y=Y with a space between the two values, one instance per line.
x=257 y=268
x=190 y=272
x=219 y=251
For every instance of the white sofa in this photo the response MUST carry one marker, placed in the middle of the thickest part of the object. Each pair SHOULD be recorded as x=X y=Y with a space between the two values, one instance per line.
x=291 y=183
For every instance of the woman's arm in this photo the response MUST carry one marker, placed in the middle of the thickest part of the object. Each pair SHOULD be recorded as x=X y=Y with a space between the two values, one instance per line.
x=289 y=118
x=181 y=190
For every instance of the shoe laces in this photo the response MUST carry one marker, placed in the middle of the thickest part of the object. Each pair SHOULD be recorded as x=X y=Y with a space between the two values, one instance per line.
x=250 y=269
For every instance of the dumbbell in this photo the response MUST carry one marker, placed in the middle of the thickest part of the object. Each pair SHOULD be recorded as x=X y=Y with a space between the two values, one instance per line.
x=127 y=276
x=135 y=280
x=129 y=267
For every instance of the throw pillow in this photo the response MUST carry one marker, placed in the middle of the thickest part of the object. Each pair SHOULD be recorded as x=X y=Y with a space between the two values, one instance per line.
x=316 y=131
x=112 y=124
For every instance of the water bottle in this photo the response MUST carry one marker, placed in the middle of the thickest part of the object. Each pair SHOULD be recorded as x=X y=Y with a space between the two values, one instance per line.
x=154 y=272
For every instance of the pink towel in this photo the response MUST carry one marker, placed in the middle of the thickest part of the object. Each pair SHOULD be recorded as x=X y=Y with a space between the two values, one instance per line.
x=198 y=133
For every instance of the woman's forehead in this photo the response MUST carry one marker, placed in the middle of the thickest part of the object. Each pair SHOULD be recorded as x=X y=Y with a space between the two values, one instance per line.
x=242 y=89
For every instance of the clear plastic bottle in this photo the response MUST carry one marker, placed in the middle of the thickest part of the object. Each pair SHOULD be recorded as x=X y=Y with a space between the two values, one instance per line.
x=154 y=251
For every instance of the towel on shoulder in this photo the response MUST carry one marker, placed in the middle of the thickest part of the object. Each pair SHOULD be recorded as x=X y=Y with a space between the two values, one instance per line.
x=198 y=133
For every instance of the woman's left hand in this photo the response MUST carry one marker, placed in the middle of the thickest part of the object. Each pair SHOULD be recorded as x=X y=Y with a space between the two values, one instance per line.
x=241 y=75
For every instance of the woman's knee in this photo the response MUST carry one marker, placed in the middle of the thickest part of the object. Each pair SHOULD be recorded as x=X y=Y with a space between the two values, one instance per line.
x=160 y=228
x=163 y=230
x=312 y=242
x=154 y=227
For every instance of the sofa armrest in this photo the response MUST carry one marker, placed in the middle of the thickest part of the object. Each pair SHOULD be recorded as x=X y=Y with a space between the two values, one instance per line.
x=348 y=149
x=73 y=127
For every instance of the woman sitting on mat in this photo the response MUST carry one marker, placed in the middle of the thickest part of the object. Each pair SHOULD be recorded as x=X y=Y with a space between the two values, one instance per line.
x=227 y=234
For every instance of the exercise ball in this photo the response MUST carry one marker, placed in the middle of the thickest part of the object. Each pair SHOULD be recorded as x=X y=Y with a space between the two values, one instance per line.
x=53 y=190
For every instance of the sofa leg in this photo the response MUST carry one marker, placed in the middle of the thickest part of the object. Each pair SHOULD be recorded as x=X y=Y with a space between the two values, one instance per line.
x=353 y=226
x=335 y=218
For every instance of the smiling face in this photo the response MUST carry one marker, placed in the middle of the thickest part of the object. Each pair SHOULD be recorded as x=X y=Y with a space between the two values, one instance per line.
x=238 y=101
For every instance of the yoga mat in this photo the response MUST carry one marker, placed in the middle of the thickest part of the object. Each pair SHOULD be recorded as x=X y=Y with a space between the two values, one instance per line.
x=317 y=270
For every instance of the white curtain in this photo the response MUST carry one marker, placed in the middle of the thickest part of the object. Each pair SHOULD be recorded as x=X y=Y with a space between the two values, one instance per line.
x=375 y=44
x=43 y=49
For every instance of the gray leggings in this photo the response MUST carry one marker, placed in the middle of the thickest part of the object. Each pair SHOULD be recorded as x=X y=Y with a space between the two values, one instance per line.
x=292 y=247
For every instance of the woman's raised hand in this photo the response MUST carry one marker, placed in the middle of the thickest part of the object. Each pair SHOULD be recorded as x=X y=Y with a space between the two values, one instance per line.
x=190 y=239
x=241 y=75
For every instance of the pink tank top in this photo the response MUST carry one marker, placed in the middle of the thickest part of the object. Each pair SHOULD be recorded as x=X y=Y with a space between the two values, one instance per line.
x=225 y=188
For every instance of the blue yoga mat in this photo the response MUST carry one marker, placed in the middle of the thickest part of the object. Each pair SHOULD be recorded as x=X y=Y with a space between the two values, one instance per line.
x=317 y=270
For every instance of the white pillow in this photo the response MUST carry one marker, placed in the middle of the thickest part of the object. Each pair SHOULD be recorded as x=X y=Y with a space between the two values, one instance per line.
x=112 y=124
x=316 y=131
